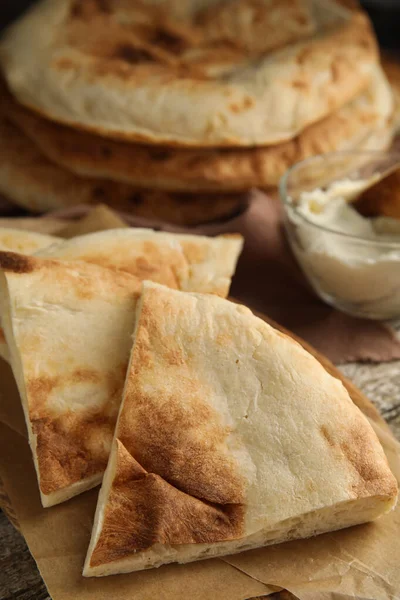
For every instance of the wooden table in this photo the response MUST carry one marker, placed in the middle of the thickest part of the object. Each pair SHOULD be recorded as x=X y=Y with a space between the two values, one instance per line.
x=19 y=577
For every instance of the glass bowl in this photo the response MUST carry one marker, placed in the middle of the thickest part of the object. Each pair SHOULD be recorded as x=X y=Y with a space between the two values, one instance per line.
x=359 y=276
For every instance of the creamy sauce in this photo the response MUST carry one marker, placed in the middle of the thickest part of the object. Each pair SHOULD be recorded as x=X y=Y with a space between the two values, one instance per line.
x=361 y=276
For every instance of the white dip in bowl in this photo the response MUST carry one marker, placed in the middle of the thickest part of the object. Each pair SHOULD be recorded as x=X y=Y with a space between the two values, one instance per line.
x=352 y=262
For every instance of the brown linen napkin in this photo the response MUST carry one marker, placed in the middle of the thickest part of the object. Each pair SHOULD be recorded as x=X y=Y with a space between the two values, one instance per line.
x=268 y=279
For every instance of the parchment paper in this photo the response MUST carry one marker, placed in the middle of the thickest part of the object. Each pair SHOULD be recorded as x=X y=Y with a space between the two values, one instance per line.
x=360 y=562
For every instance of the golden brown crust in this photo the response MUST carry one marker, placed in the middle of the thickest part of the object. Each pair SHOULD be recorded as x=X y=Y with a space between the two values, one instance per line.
x=158 y=513
x=71 y=399
x=63 y=454
x=354 y=444
x=74 y=446
x=215 y=37
x=166 y=441
x=370 y=477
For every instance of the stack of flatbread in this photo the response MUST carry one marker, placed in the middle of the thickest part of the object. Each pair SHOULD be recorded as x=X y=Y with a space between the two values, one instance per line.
x=210 y=431
x=173 y=109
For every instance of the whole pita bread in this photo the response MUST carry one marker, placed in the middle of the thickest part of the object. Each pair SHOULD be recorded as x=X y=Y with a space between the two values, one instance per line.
x=195 y=170
x=193 y=73
x=33 y=181
x=68 y=327
x=230 y=436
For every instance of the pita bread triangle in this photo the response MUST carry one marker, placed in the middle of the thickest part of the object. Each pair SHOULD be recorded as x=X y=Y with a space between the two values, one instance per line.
x=182 y=261
x=24 y=242
x=230 y=436
x=68 y=328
